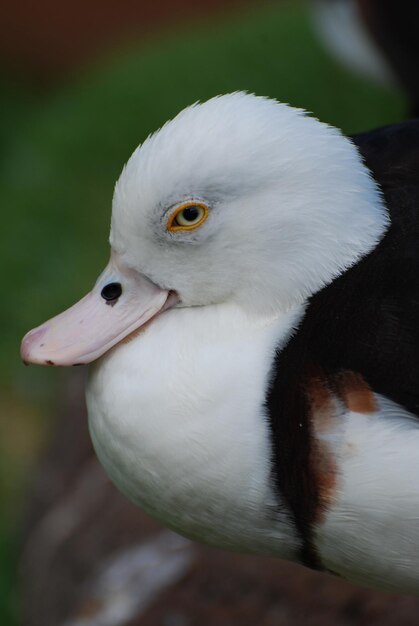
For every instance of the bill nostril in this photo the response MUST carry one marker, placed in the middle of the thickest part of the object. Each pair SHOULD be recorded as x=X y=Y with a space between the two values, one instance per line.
x=111 y=292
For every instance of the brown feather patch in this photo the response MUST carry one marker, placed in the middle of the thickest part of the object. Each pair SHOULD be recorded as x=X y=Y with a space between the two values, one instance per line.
x=355 y=393
x=324 y=392
x=323 y=411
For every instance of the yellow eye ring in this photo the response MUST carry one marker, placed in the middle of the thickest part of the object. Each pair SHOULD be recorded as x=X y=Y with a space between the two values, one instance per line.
x=188 y=216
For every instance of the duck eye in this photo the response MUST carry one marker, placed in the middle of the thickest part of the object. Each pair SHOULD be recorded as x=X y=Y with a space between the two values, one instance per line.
x=188 y=217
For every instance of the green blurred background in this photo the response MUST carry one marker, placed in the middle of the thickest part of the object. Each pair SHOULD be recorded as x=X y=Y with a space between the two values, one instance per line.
x=65 y=134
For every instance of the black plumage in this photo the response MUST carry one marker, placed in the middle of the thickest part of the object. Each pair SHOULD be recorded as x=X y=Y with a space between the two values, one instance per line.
x=365 y=322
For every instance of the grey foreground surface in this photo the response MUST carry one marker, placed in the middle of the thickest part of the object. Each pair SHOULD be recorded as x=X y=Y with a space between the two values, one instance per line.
x=90 y=558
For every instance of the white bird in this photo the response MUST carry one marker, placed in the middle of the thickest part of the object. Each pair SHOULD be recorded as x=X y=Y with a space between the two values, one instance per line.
x=255 y=338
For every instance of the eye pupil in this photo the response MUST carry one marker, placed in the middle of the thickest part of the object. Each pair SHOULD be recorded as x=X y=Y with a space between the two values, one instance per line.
x=191 y=213
x=111 y=291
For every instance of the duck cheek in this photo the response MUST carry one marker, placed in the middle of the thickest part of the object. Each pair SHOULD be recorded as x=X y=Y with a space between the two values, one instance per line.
x=93 y=325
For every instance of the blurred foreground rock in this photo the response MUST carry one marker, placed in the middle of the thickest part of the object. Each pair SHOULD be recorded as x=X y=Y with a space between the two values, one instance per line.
x=91 y=559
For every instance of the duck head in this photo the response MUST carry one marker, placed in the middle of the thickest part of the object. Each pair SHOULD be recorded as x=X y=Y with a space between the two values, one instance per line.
x=239 y=199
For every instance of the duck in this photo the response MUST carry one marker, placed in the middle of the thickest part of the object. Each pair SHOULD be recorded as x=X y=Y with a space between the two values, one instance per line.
x=253 y=341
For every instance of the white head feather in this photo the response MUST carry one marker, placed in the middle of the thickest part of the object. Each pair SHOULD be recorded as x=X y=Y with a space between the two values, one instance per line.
x=291 y=204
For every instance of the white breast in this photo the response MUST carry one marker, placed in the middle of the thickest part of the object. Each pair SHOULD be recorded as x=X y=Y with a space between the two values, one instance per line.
x=177 y=419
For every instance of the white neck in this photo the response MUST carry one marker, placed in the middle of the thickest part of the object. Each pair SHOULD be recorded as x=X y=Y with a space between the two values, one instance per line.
x=177 y=419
